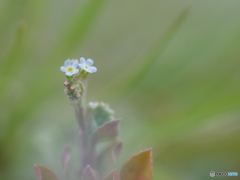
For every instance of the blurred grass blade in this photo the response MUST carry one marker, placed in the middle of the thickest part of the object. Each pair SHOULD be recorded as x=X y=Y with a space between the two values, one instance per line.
x=136 y=72
x=73 y=36
x=16 y=48
x=10 y=63
x=79 y=26
x=24 y=105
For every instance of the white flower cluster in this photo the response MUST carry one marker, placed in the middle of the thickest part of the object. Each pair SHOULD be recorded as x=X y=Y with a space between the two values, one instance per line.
x=71 y=66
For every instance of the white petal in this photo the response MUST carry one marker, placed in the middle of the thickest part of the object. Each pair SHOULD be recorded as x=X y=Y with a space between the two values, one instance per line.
x=93 y=69
x=75 y=71
x=88 y=70
x=67 y=62
x=63 y=69
x=81 y=66
x=90 y=62
x=75 y=64
x=82 y=60
x=68 y=74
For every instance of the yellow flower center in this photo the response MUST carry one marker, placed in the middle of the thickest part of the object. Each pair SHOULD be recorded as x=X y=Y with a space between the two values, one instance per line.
x=70 y=69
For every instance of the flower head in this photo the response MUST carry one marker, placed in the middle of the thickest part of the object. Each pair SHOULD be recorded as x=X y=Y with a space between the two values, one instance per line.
x=66 y=83
x=70 y=68
x=86 y=65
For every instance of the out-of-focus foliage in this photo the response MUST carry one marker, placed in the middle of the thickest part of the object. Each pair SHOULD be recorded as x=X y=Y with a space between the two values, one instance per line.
x=170 y=69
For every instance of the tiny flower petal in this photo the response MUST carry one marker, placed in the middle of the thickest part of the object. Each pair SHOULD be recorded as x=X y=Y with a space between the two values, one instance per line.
x=82 y=60
x=63 y=69
x=67 y=62
x=93 y=69
x=87 y=65
x=81 y=66
x=75 y=71
x=75 y=64
x=68 y=74
x=88 y=70
x=90 y=62
x=70 y=67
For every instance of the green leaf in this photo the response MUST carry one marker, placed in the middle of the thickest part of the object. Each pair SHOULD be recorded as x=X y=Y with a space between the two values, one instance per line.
x=102 y=116
x=131 y=77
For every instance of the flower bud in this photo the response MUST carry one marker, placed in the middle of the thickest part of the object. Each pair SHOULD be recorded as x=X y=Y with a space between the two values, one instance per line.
x=74 y=60
x=77 y=94
x=70 y=97
x=73 y=86
x=66 y=91
x=93 y=105
x=101 y=112
x=66 y=83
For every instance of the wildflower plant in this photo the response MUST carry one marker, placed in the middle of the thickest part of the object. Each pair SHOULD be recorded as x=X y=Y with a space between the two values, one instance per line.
x=96 y=123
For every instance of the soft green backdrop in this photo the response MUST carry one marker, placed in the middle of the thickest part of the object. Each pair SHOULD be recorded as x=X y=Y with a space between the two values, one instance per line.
x=169 y=68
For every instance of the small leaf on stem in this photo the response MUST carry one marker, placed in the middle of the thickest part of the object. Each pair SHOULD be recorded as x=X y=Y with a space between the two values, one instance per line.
x=109 y=130
x=110 y=175
x=43 y=173
x=117 y=150
x=108 y=158
x=66 y=156
x=114 y=175
x=89 y=174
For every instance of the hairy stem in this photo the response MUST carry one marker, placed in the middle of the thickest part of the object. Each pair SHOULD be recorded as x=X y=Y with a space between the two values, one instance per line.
x=81 y=117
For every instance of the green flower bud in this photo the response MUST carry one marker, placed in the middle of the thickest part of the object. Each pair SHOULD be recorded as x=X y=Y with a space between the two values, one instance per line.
x=102 y=113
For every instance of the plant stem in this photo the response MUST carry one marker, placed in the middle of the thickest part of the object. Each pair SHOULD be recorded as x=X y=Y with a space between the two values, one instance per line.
x=81 y=117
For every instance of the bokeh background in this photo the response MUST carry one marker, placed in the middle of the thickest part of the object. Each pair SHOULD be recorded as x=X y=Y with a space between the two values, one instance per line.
x=169 y=68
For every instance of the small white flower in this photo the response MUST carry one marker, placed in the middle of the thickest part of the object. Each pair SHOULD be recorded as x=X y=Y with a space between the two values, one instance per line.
x=86 y=65
x=70 y=68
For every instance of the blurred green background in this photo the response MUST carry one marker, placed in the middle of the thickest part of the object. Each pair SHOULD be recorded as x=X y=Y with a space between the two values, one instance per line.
x=170 y=69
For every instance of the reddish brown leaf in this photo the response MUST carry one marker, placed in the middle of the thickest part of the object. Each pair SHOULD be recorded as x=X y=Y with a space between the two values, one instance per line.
x=109 y=130
x=139 y=167
x=43 y=173
x=89 y=174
